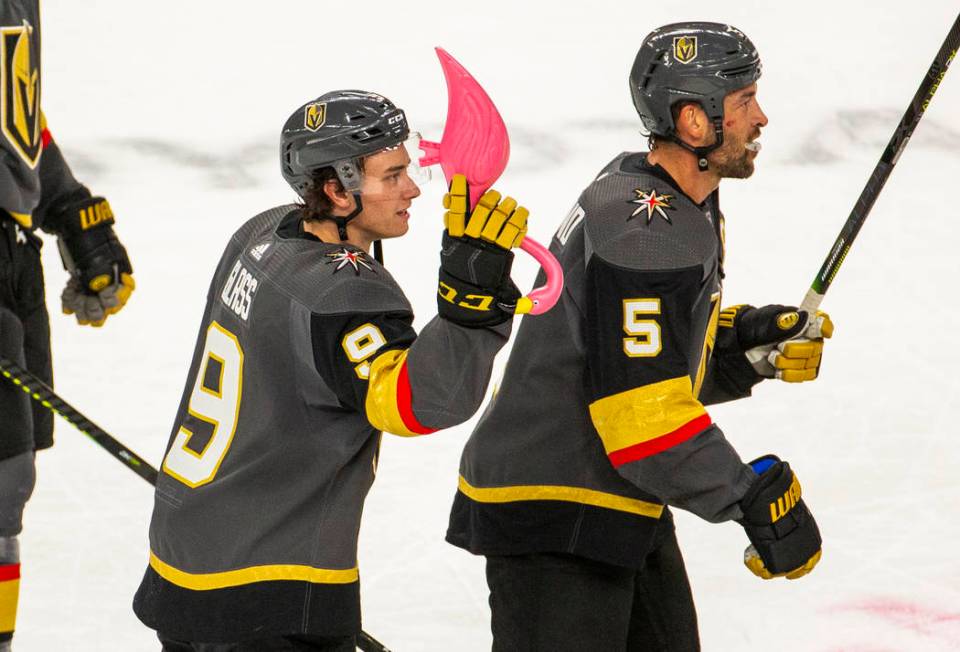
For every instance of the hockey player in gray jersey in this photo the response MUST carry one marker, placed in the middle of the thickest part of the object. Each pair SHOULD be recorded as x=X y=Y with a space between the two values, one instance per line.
x=600 y=422
x=305 y=355
x=39 y=192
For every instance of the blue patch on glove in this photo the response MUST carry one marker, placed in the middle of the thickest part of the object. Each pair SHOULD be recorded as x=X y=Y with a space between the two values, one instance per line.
x=761 y=465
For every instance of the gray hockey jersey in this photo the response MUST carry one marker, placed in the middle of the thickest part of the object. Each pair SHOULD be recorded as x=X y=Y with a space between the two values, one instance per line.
x=600 y=421
x=34 y=178
x=305 y=354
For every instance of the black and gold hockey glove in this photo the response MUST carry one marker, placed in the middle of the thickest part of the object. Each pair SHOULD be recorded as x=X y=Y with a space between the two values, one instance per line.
x=777 y=341
x=101 y=278
x=784 y=538
x=475 y=289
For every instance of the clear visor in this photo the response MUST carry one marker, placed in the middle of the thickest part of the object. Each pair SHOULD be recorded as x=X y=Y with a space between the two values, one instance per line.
x=387 y=172
x=415 y=171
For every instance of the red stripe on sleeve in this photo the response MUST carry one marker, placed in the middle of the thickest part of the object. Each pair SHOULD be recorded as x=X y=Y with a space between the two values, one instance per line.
x=45 y=137
x=9 y=572
x=405 y=404
x=661 y=443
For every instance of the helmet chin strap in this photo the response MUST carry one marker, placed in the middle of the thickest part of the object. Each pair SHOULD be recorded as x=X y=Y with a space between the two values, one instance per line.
x=341 y=220
x=342 y=228
x=702 y=152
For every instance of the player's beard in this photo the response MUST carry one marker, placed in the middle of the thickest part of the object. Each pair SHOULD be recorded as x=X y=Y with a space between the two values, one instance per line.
x=732 y=160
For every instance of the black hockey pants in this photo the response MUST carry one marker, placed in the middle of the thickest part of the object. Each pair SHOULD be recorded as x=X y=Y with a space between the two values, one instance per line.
x=25 y=426
x=278 y=644
x=550 y=602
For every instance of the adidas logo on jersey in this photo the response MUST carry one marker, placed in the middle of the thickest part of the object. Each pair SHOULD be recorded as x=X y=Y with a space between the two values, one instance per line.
x=238 y=291
x=257 y=252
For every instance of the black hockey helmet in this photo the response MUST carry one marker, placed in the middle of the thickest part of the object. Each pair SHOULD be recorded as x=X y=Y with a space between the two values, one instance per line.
x=693 y=61
x=338 y=129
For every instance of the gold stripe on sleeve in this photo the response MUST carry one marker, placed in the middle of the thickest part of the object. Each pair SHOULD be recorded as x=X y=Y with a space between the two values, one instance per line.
x=381 y=406
x=644 y=413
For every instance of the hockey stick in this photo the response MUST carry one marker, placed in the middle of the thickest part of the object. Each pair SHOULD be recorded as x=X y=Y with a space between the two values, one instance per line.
x=368 y=643
x=40 y=392
x=45 y=396
x=901 y=136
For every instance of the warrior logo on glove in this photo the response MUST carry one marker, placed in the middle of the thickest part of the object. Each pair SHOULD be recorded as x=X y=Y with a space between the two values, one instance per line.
x=784 y=538
x=101 y=278
x=787 y=320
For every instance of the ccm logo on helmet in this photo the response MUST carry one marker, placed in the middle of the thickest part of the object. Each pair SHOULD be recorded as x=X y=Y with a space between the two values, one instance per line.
x=314 y=115
x=685 y=48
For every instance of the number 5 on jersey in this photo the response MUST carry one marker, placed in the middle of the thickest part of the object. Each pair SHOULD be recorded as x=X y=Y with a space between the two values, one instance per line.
x=215 y=405
x=644 y=334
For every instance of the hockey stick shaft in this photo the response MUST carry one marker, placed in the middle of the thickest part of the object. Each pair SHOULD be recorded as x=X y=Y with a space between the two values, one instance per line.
x=901 y=135
x=45 y=396
x=368 y=643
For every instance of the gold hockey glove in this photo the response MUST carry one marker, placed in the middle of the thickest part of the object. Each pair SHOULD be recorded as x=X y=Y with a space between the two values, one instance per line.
x=101 y=278
x=798 y=360
x=784 y=538
x=777 y=340
x=502 y=223
x=475 y=289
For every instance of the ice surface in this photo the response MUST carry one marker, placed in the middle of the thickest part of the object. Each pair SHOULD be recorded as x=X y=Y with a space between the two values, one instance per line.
x=173 y=109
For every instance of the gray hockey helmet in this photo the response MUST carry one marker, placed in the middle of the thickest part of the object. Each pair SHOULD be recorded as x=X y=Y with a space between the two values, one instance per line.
x=337 y=129
x=694 y=61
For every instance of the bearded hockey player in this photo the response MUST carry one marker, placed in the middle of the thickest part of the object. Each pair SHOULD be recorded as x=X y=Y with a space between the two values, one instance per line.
x=305 y=355
x=568 y=494
x=38 y=191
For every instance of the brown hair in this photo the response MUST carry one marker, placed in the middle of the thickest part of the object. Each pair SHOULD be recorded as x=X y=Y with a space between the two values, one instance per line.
x=316 y=205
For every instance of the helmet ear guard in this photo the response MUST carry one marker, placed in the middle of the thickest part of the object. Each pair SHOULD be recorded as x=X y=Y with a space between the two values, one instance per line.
x=348 y=171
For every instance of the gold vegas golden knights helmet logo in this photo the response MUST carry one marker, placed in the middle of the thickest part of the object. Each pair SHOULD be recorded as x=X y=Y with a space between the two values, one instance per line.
x=685 y=48
x=20 y=95
x=314 y=115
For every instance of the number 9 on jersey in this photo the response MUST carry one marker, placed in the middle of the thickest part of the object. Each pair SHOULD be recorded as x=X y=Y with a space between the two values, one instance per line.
x=215 y=400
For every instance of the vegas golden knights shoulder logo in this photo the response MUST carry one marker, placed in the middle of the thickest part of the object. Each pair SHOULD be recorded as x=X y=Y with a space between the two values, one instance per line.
x=314 y=115
x=20 y=95
x=685 y=48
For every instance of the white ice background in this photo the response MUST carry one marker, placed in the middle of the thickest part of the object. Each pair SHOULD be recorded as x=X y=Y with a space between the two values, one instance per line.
x=172 y=110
